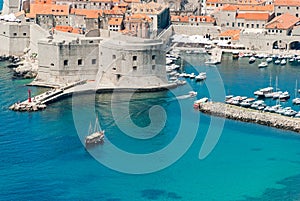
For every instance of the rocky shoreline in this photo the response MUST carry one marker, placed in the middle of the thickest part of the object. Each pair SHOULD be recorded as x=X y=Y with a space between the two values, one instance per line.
x=23 y=68
x=250 y=115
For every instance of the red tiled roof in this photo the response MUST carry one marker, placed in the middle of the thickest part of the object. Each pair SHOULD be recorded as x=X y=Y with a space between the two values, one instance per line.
x=234 y=34
x=287 y=3
x=115 y=21
x=175 y=18
x=269 y=8
x=284 y=21
x=47 y=9
x=68 y=29
x=93 y=14
x=254 y=16
x=253 y=2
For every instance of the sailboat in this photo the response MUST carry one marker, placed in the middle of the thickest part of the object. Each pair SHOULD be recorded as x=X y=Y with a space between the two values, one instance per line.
x=296 y=100
x=95 y=136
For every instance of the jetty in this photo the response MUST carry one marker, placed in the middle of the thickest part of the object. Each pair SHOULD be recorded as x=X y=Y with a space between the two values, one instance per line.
x=39 y=102
x=250 y=115
x=215 y=57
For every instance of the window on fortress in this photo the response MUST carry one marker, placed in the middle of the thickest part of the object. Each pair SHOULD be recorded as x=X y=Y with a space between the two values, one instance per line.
x=94 y=61
x=288 y=8
x=114 y=56
x=134 y=68
x=153 y=67
x=257 y=25
x=239 y=24
x=4 y=32
x=227 y=24
x=153 y=57
x=134 y=58
x=66 y=62
x=15 y=34
x=297 y=15
x=80 y=62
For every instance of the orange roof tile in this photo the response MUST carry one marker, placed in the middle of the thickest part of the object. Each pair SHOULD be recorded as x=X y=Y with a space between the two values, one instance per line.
x=234 y=34
x=92 y=14
x=47 y=9
x=115 y=21
x=113 y=12
x=239 y=2
x=44 y=2
x=121 y=10
x=139 y=17
x=267 y=8
x=175 y=18
x=287 y=3
x=68 y=29
x=284 y=21
x=254 y=16
x=132 y=1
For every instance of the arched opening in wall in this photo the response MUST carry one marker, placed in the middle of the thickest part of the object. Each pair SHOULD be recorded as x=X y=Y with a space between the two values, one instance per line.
x=295 y=45
x=275 y=45
x=280 y=45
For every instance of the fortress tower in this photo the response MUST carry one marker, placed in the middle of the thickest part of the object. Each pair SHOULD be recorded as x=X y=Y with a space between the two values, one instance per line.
x=11 y=6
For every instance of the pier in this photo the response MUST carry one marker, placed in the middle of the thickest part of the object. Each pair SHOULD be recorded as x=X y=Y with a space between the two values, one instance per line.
x=39 y=102
x=216 y=56
x=250 y=115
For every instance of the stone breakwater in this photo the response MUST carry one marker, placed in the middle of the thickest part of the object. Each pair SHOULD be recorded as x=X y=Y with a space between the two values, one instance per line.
x=250 y=115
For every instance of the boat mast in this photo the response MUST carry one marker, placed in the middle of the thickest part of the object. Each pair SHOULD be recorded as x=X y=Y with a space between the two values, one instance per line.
x=296 y=89
x=96 y=127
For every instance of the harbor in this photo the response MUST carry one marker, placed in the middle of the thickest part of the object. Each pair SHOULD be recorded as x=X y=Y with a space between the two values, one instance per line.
x=250 y=115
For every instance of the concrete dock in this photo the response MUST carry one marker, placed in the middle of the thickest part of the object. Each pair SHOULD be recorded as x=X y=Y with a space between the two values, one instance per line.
x=251 y=115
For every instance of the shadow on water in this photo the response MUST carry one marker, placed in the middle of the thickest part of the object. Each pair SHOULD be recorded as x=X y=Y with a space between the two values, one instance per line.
x=156 y=194
x=290 y=191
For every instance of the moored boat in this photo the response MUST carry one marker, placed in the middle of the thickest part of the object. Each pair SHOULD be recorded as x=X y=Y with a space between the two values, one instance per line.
x=95 y=136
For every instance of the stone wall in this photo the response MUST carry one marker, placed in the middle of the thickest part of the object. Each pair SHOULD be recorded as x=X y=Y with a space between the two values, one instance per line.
x=14 y=38
x=196 y=30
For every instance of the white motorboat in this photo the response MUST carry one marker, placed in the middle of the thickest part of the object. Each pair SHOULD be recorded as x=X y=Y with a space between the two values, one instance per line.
x=263 y=65
x=269 y=60
x=252 y=60
x=200 y=77
x=192 y=75
x=193 y=93
x=283 y=62
x=285 y=95
x=277 y=62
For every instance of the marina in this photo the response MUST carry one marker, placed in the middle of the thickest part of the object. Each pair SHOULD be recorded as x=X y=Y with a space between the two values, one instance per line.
x=250 y=115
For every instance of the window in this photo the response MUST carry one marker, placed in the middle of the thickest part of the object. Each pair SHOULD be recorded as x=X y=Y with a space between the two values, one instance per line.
x=118 y=76
x=114 y=56
x=15 y=34
x=52 y=64
x=153 y=57
x=134 y=68
x=79 y=62
x=252 y=25
x=227 y=23
x=66 y=62
x=4 y=32
x=257 y=25
x=153 y=67
x=114 y=68
x=242 y=24
x=280 y=31
x=279 y=7
x=239 y=24
x=232 y=24
x=297 y=15
x=94 y=61
x=288 y=8
x=247 y=25
x=134 y=58
x=268 y=44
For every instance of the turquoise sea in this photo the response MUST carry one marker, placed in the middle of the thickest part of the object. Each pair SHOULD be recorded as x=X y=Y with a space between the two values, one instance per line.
x=43 y=158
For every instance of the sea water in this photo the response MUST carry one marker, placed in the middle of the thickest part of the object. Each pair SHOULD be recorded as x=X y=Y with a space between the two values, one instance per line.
x=43 y=156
